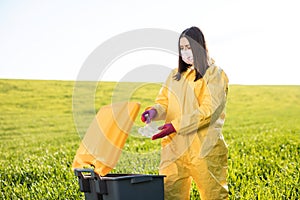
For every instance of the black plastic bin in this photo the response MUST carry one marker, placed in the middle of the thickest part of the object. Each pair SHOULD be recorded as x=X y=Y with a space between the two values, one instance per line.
x=120 y=186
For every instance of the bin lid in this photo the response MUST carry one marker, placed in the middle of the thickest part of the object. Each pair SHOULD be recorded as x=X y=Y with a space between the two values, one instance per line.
x=105 y=138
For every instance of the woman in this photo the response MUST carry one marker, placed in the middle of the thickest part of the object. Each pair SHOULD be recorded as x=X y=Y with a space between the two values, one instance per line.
x=192 y=103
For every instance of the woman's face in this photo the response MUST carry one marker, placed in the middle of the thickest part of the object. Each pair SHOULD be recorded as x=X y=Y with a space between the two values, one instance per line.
x=186 y=51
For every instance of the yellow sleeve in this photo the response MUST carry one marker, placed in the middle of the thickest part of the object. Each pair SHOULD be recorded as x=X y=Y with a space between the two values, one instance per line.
x=162 y=100
x=211 y=107
x=161 y=103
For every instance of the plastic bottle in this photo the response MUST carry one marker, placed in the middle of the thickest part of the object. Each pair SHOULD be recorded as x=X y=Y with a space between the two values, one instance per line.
x=149 y=129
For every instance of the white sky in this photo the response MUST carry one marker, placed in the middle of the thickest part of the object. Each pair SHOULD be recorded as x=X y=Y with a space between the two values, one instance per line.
x=254 y=41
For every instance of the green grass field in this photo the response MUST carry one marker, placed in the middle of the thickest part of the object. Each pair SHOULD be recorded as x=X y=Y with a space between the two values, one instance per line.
x=38 y=140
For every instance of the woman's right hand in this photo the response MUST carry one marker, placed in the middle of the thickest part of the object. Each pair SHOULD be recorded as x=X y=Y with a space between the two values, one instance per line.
x=148 y=115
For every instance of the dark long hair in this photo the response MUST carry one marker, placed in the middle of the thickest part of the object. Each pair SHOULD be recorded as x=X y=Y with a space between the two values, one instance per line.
x=198 y=46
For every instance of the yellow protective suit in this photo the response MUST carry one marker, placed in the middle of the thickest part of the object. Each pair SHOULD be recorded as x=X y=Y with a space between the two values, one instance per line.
x=103 y=142
x=197 y=150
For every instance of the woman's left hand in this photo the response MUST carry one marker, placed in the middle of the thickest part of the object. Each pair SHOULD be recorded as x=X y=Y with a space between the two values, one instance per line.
x=167 y=129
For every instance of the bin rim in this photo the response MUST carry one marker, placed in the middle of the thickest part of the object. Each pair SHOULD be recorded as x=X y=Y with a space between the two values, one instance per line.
x=112 y=176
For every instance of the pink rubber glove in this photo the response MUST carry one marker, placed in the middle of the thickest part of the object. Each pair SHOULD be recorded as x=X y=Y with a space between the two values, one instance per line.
x=167 y=129
x=148 y=115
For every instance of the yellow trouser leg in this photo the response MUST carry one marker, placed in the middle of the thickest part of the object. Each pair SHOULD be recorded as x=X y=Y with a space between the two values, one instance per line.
x=210 y=173
x=177 y=182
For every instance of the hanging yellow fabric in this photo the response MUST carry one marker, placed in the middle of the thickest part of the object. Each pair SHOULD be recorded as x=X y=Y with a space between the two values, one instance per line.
x=103 y=142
